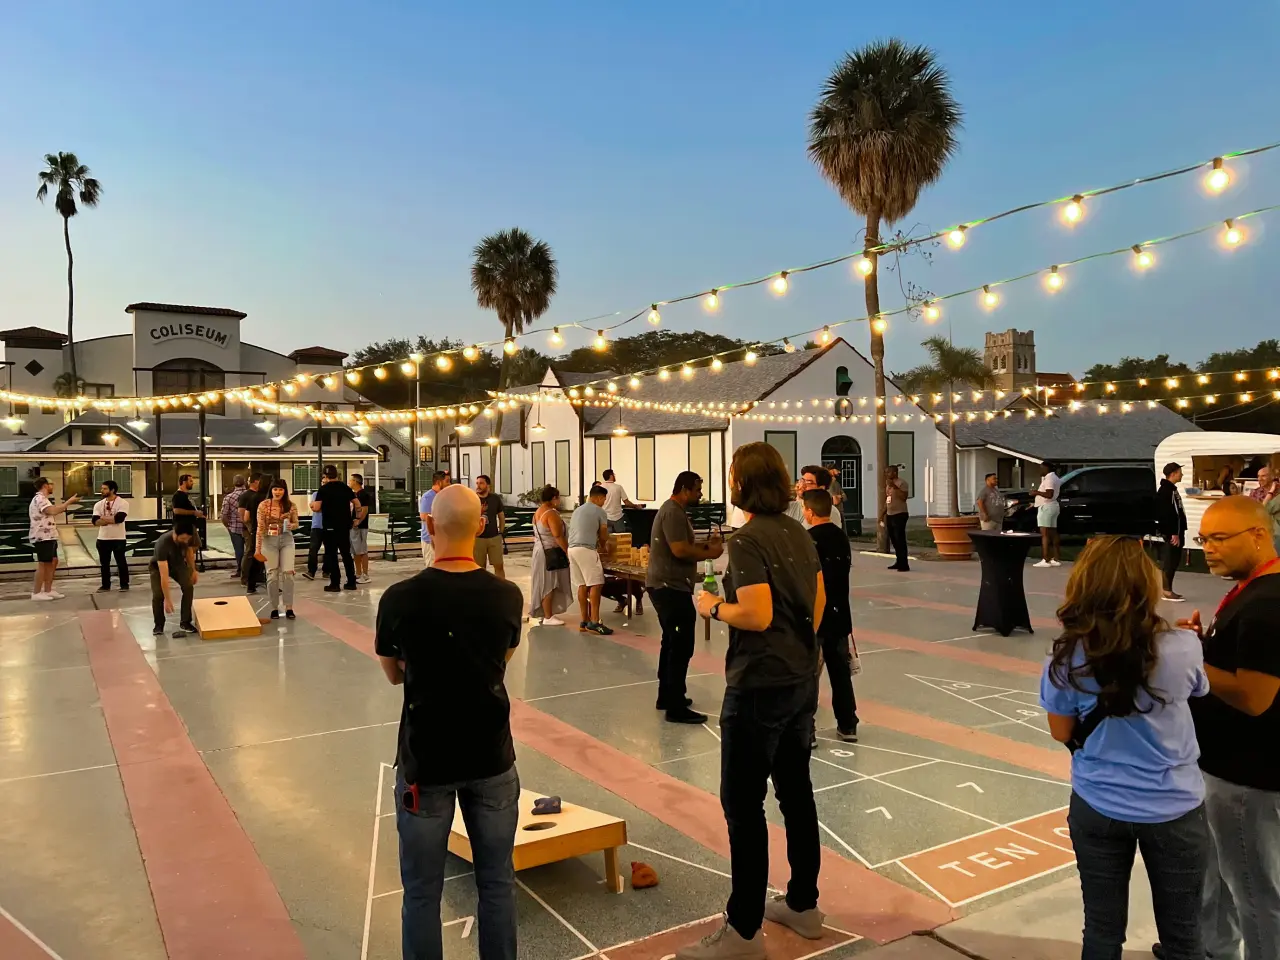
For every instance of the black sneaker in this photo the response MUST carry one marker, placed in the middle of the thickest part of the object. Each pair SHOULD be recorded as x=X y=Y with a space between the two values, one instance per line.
x=350 y=586
x=309 y=575
x=251 y=590
x=179 y=634
x=104 y=590
x=189 y=627
x=158 y=632
x=290 y=615
x=1157 y=951
x=332 y=588
x=848 y=736
x=688 y=702
x=124 y=588
x=275 y=614
x=686 y=716
x=599 y=628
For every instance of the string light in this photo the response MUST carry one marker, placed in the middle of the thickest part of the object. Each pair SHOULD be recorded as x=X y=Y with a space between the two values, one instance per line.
x=380 y=372
x=788 y=346
x=1053 y=280
x=750 y=358
x=780 y=283
x=470 y=353
x=932 y=312
x=990 y=299
x=825 y=337
x=879 y=324
x=716 y=365
x=686 y=371
x=509 y=346
x=1219 y=177
x=408 y=368
x=443 y=362
x=555 y=338
x=956 y=237
x=864 y=265
x=634 y=383
x=1232 y=235
x=712 y=300
x=664 y=374
x=1171 y=383
x=1073 y=212
x=1142 y=259
x=353 y=377
x=1202 y=379
x=655 y=317
x=612 y=387
x=600 y=343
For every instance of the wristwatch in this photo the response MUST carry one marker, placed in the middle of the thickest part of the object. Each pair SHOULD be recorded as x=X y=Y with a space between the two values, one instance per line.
x=715 y=611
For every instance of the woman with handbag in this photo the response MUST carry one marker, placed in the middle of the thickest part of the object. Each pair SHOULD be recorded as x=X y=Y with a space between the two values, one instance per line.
x=1116 y=689
x=550 y=591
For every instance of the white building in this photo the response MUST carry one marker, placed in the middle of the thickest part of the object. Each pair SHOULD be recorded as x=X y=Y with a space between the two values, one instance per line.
x=552 y=441
x=178 y=350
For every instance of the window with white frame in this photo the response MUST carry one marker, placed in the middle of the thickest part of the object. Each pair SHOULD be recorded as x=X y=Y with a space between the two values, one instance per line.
x=646 y=469
x=538 y=463
x=122 y=474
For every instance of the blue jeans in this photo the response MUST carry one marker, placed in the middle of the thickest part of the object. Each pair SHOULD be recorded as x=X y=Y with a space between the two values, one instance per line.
x=765 y=734
x=1242 y=885
x=237 y=545
x=490 y=809
x=1174 y=853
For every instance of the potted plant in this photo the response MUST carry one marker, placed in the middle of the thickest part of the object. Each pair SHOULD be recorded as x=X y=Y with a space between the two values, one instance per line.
x=950 y=366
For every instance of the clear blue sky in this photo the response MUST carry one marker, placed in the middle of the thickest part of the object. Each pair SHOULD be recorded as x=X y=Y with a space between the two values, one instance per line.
x=327 y=167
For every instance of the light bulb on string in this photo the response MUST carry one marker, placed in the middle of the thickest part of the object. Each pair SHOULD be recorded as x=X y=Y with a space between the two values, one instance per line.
x=1073 y=212
x=470 y=353
x=1232 y=236
x=825 y=337
x=879 y=325
x=1219 y=177
x=712 y=300
x=1142 y=259
x=990 y=299
x=555 y=338
x=716 y=365
x=600 y=342
x=1202 y=379
x=750 y=358
x=956 y=238
x=612 y=387
x=686 y=371
x=509 y=346
x=932 y=312
x=408 y=368
x=380 y=372
x=788 y=346
x=664 y=374
x=864 y=265
x=353 y=377
x=655 y=317
x=1053 y=281
x=780 y=283
x=634 y=383
x=443 y=362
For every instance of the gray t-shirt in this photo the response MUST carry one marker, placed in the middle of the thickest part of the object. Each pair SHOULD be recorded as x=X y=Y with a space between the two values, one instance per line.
x=584 y=525
x=671 y=525
x=994 y=501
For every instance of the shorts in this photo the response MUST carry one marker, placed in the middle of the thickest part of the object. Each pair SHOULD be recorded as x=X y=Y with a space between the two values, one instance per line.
x=1047 y=515
x=488 y=549
x=428 y=554
x=359 y=541
x=992 y=524
x=585 y=568
x=617 y=526
x=46 y=551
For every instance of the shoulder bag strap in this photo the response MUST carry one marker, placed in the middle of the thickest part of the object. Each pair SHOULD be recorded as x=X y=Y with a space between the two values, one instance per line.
x=1085 y=726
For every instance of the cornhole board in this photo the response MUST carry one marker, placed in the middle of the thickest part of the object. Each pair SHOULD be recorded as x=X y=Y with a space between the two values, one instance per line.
x=221 y=618
x=574 y=832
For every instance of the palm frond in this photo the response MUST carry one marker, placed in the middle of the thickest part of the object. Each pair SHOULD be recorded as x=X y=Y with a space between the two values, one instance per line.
x=515 y=276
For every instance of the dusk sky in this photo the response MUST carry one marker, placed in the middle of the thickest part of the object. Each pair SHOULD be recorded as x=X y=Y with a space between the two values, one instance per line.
x=328 y=167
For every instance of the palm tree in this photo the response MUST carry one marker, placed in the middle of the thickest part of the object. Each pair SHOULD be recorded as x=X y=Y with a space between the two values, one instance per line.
x=950 y=367
x=70 y=180
x=515 y=276
x=883 y=130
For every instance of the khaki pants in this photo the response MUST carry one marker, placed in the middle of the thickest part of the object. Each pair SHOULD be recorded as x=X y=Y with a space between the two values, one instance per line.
x=488 y=550
x=991 y=524
x=428 y=554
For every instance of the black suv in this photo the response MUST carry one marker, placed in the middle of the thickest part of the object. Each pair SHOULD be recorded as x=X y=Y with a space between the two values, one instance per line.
x=1095 y=500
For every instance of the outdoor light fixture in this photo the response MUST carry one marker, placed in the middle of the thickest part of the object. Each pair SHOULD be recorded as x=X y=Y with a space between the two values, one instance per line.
x=1142 y=258
x=14 y=423
x=555 y=338
x=1219 y=177
x=634 y=383
x=509 y=346
x=989 y=297
x=788 y=346
x=265 y=425
x=1232 y=235
x=780 y=283
x=1073 y=212
x=879 y=324
x=655 y=317
x=1054 y=279
x=443 y=362
x=956 y=237
x=408 y=368
x=864 y=265
x=751 y=357
x=470 y=353
x=711 y=300
x=135 y=424
x=380 y=372
x=716 y=365
x=932 y=312
x=600 y=342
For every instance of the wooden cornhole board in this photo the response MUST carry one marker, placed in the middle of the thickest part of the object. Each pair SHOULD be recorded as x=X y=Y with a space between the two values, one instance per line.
x=221 y=618
x=574 y=832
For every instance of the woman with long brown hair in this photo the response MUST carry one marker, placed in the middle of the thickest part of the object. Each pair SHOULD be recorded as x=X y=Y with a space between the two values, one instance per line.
x=1116 y=688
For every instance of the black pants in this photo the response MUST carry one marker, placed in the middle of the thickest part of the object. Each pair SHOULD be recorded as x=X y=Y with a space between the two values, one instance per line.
x=897 y=526
x=838 y=658
x=252 y=572
x=765 y=734
x=679 y=620
x=338 y=542
x=1170 y=560
x=1175 y=854
x=113 y=549
x=313 y=550
x=157 y=599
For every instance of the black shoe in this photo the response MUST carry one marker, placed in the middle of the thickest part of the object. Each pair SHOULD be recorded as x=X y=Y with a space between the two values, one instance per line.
x=290 y=615
x=686 y=716
x=332 y=588
x=813 y=741
x=124 y=588
x=275 y=614
x=309 y=575
x=848 y=736
x=1158 y=951
x=688 y=702
x=189 y=627
x=351 y=586
x=179 y=634
x=158 y=632
x=104 y=590
x=251 y=590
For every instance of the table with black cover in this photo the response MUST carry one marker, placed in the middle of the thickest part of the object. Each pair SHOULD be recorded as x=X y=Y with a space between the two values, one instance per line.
x=1002 y=603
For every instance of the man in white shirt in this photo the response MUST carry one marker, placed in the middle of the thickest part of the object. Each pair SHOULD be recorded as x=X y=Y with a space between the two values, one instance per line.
x=1047 y=510
x=615 y=499
x=109 y=515
x=43 y=535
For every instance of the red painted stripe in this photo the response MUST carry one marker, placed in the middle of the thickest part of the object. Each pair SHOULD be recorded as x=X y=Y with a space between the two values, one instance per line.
x=854 y=897
x=16 y=945
x=213 y=897
x=947 y=651
x=940 y=606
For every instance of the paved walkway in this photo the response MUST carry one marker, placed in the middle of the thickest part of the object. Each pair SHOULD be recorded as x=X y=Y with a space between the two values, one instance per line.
x=166 y=797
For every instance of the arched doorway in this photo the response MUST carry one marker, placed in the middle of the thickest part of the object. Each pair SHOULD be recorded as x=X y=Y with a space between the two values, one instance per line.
x=846 y=455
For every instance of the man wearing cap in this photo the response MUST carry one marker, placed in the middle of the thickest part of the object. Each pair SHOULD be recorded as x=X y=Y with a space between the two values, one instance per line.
x=1172 y=522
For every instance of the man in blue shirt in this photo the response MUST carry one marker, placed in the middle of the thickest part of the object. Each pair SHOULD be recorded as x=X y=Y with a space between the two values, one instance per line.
x=439 y=480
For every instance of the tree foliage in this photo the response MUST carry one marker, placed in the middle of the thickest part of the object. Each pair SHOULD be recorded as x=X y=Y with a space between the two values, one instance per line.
x=658 y=348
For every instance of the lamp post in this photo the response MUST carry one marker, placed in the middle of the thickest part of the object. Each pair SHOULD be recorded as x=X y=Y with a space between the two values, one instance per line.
x=416 y=360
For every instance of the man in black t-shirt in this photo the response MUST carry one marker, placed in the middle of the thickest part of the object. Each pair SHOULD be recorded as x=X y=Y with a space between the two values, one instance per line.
x=488 y=548
x=1238 y=726
x=773 y=604
x=333 y=500
x=837 y=620
x=252 y=570
x=363 y=506
x=455 y=729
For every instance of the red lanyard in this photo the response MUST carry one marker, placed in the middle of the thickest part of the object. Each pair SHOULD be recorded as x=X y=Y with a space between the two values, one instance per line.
x=1235 y=591
x=448 y=559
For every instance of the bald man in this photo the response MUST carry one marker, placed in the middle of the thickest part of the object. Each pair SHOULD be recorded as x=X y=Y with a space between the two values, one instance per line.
x=446 y=635
x=1238 y=726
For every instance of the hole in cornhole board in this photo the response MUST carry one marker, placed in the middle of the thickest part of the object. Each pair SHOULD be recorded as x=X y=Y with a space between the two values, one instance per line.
x=538 y=826
x=224 y=618
x=219 y=603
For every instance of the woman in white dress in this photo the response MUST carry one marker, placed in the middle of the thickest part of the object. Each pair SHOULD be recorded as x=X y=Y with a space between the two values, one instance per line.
x=550 y=592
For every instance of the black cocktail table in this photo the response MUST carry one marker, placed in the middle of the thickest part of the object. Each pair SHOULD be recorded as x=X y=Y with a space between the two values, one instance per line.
x=1002 y=603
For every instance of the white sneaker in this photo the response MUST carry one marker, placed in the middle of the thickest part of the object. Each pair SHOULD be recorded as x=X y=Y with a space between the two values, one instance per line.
x=41 y=596
x=1055 y=563
x=1044 y=564
x=364 y=579
x=550 y=622
x=55 y=595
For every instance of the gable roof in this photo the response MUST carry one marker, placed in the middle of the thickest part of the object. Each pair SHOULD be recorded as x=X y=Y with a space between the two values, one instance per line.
x=183 y=308
x=32 y=333
x=1079 y=435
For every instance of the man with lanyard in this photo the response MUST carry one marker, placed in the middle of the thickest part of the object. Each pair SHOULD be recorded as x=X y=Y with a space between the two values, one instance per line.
x=1238 y=726
x=488 y=548
x=439 y=480
x=108 y=516
x=333 y=499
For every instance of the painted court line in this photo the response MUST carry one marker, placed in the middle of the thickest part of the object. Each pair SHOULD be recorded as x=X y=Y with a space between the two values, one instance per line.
x=300 y=736
x=691 y=756
x=19 y=943
x=392 y=893
x=616 y=686
x=939 y=606
x=212 y=895
x=937 y=648
x=978 y=833
x=687 y=863
x=852 y=852
x=373 y=865
x=57 y=773
x=982 y=706
x=954 y=763
x=565 y=923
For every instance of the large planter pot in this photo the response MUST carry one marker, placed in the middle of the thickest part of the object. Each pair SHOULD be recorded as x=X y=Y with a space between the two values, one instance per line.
x=951 y=534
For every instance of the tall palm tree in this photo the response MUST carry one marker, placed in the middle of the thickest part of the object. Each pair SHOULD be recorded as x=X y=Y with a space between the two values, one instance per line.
x=70 y=180
x=883 y=130
x=949 y=367
x=515 y=276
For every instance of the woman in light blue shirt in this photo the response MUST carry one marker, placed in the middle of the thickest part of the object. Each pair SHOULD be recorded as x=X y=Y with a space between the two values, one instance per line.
x=1135 y=782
